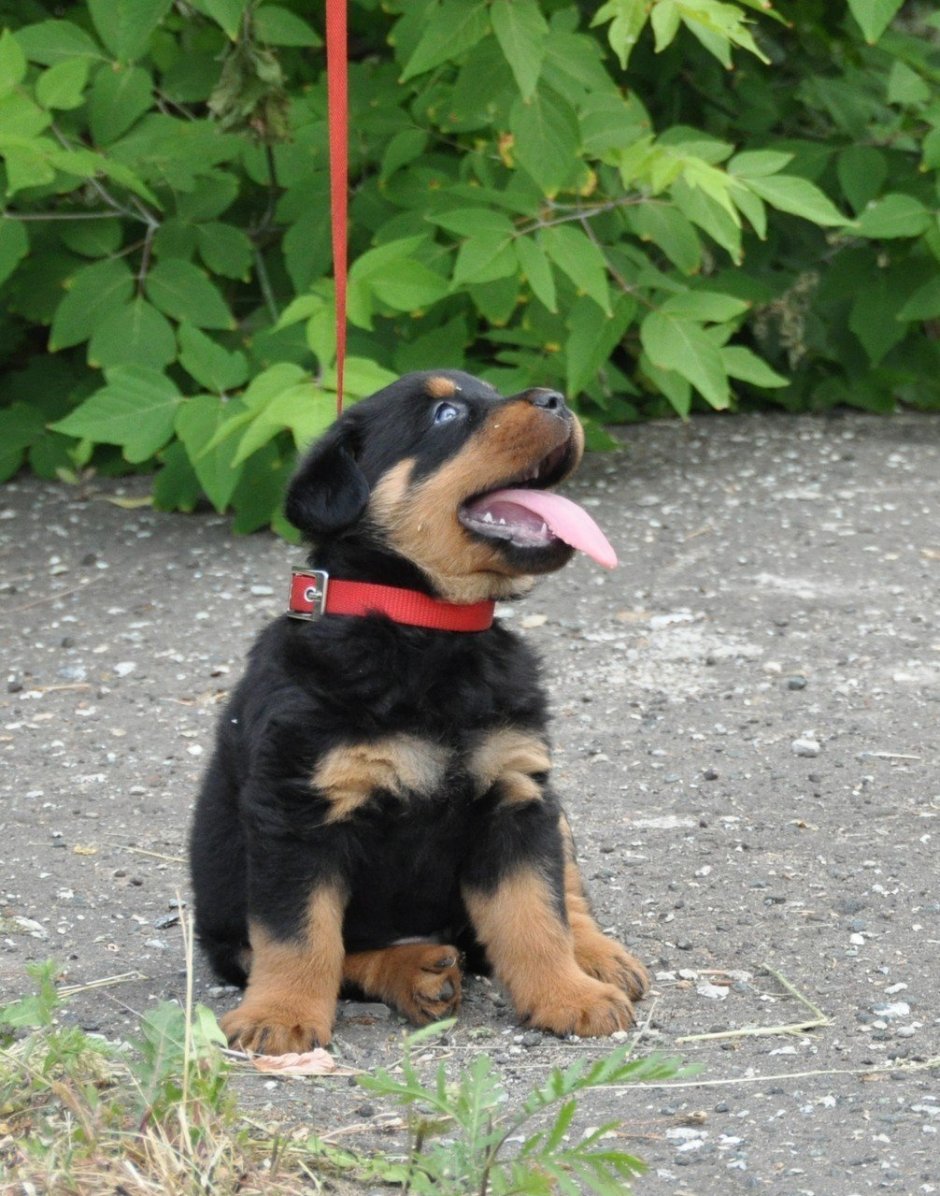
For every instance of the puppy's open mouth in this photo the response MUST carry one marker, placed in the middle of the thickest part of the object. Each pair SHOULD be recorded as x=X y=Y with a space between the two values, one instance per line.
x=523 y=512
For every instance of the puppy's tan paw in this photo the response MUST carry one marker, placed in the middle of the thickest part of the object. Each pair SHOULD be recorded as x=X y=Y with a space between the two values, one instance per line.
x=586 y=1007
x=262 y=1031
x=606 y=960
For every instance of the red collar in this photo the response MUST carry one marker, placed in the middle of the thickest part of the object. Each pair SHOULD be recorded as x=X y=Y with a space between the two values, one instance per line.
x=314 y=593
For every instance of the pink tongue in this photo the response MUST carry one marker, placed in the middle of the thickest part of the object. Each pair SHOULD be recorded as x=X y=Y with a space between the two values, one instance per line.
x=567 y=520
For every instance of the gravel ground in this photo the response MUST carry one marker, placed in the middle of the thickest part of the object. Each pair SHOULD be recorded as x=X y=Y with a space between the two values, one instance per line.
x=746 y=731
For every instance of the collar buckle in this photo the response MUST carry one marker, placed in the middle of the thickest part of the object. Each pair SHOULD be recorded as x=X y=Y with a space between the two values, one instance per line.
x=308 y=593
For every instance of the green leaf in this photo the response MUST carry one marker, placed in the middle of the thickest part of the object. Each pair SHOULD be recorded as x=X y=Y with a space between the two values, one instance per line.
x=538 y=271
x=408 y=286
x=894 y=215
x=95 y=292
x=746 y=366
x=577 y=256
x=197 y=422
x=302 y=409
x=213 y=366
x=683 y=346
x=871 y=318
x=92 y=238
x=63 y=85
x=627 y=19
x=227 y=13
x=874 y=16
x=665 y=20
x=455 y=27
x=27 y=165
x=546 y=139
x=521 y=31
x=21 y=425
x=125 y=26
x=182 y=291
x=53 y=41
x=484 y=258
x=757 y=164
x=906 y=86
x=590 y=342
x=14 y=245
x=404 y=147
x=133 y=335
x=260 y=491
x=176 y=486
x=709 y=306
x=924 y=304
x=212 y=194
x=862 y=171
x=119 y=96
x=279 y=26
x=790 y=193
x=136 y=410
x=225 y=249
x=670 y=231
x=474 y=222
x=12 y=63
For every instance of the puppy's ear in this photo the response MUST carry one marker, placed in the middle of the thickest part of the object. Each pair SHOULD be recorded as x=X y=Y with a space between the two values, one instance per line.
x=329 y=491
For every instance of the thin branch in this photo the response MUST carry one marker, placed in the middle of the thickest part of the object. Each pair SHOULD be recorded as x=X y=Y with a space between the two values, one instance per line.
x=932 y=1064
x=57 y=215
x=818 y=1020
x=264 y=283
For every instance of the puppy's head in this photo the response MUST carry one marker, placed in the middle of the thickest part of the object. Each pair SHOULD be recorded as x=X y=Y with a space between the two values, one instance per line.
x=417 y=471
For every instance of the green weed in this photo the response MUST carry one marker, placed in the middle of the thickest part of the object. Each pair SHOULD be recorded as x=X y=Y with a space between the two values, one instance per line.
x=82 y=1117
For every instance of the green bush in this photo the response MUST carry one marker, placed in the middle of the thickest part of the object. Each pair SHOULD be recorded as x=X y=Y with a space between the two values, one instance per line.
x=655 y=205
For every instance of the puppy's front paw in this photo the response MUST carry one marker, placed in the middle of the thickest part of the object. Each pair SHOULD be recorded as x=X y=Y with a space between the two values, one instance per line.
x=606 y=960
x=276 y=1031
x=583 y=1006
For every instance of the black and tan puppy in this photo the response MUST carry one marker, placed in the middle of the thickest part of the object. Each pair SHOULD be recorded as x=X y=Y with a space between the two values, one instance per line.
x=379 y=798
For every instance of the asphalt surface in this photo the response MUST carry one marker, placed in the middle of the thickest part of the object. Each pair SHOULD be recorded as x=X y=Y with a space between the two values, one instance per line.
x=746 y=728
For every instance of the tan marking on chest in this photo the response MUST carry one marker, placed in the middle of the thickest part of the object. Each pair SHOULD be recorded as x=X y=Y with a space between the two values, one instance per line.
x=348 y=776
x=512 y=760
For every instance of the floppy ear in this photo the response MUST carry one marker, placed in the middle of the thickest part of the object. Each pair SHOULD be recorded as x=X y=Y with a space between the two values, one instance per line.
x=329 y=491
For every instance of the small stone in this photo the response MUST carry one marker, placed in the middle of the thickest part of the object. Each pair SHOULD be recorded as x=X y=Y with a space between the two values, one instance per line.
x=532 y=1038
x=710 y=774
x=797 y=682
x=892 y=1009
x=804 y=746
x=262 y=591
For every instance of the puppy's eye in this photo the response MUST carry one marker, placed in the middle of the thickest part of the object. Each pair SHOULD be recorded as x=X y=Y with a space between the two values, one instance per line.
x=444 y=413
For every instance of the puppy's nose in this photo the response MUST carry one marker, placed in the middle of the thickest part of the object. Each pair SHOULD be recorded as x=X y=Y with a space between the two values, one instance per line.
x=548 y=400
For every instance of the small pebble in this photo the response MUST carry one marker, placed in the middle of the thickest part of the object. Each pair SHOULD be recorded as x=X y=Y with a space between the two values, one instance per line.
x=804 y=746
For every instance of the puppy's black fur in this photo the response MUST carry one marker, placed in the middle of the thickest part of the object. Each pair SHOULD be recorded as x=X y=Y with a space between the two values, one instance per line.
x=378 y=801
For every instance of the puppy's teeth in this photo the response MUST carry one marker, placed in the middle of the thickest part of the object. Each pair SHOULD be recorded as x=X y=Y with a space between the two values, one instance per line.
x=502 y=521
x=543 y=530
x=488 y=517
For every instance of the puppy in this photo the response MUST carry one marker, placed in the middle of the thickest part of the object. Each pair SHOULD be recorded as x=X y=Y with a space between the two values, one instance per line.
x=379 y=803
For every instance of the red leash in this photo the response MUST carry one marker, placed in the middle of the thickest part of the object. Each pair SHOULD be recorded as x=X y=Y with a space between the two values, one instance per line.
x=338 y=117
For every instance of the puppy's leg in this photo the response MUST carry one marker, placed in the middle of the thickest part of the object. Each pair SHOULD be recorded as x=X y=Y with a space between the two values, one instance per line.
x=596 y=954
x=513 y=890
x=532 y=952
x=421 y=980
x=290 y=1001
